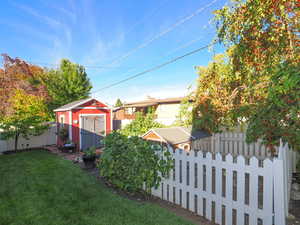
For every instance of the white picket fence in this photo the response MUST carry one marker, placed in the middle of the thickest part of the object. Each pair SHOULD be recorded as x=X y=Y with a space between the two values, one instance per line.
x=289 y=159
x=47 y=138
x=227 y=189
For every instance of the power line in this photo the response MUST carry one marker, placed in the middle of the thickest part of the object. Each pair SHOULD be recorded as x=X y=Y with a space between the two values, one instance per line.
x=86 y=66
x=185 y=45
x=146 y=17
x=155 y=67
x=145 y=44
x=162 y=33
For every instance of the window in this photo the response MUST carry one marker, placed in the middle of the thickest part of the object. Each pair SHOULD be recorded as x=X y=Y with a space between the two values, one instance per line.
x=61 y=121
x=129 y=111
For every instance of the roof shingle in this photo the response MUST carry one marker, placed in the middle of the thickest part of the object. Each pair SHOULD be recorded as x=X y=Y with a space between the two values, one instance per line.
x=177 y=135
x=72 y=104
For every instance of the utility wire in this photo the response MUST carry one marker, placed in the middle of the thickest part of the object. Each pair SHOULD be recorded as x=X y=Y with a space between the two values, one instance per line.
x=162 y=33
x=146 y=17
x=185 y=45
x=155 y=67
x=146 y=43
x=86 y=66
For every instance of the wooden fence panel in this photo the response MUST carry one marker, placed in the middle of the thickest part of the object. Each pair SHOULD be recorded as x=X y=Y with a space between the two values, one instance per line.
x=233 y=143
x=47 y=138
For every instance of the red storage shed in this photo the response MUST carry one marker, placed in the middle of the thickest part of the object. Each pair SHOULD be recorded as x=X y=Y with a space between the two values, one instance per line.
x=86 y=122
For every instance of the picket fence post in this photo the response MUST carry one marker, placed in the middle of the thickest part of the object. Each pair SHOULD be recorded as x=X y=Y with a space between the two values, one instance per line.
x=235 y=188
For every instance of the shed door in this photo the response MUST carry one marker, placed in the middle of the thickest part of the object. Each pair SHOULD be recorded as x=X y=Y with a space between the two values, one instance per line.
x=92 y=131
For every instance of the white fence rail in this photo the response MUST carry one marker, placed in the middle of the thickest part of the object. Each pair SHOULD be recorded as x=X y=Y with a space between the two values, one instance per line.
x=47 y=138
x=227 y=189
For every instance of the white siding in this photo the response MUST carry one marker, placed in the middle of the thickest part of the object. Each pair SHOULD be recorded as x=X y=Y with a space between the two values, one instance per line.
x=167 y=113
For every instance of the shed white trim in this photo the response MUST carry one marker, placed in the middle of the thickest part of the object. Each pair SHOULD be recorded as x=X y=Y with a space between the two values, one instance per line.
x=62 y=124
x=91 y=108
x=70 y=125
x=111 y=120
x=78 y=104
x=80 y=125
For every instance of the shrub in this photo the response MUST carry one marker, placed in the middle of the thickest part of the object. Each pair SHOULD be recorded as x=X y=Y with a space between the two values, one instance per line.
x=90 y=152
x=141 y=124
x=131 y=162
x=63 y=134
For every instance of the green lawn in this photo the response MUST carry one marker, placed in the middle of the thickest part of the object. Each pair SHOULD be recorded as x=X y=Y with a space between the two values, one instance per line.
x=38 y=188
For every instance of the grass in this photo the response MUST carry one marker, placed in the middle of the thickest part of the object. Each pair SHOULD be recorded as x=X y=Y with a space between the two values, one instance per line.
x=39 y=188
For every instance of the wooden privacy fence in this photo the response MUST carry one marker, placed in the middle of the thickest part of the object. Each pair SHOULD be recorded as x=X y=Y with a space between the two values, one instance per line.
x=233 y=143
x=225 y=189
x=47 y=138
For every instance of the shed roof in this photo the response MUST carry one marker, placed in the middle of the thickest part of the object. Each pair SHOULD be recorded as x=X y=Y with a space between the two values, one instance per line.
x=177 y=135
x=74 y=104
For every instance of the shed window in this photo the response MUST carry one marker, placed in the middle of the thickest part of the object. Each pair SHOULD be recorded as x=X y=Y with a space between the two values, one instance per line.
x=62 y=121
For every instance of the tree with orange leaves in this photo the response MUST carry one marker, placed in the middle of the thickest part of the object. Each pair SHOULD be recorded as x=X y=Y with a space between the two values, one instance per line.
x=263 y=44
x=17 y=74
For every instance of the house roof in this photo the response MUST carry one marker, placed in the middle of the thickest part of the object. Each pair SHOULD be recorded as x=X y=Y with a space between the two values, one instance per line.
x=152 y=102
x=178 y=135
x=74 y=104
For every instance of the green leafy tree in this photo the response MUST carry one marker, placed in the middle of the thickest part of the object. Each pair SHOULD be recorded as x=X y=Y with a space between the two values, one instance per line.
x=28 y=117
x=278 y=117
x=118 y=103
x=185 y=114
x=130 y=163
x=264 y=33
x=66 y=84
x=262 y=84
x=141 y=124
x=223 y=99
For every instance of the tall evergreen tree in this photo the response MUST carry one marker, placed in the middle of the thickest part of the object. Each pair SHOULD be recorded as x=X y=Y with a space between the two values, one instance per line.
x=118 y=103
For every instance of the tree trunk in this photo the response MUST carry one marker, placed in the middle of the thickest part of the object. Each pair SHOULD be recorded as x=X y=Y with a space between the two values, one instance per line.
x=16 y=141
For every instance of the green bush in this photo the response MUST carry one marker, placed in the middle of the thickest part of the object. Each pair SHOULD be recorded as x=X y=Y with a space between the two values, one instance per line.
x=131 y=162
x=141 y=124
x=63 y=134
x=90 y=152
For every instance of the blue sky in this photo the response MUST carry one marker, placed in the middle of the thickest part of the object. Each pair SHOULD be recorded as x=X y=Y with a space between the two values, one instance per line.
x=114 y=39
